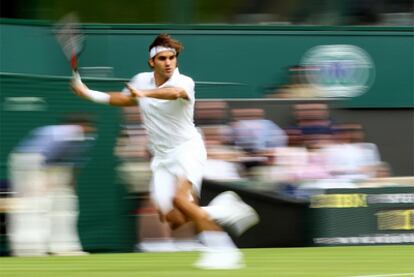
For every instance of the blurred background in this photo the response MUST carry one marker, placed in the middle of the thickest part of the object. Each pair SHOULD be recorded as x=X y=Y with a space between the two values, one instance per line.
x=306 y=108
x=293 y=12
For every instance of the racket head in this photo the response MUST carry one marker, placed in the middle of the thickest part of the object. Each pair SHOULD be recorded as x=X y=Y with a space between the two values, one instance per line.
x=70 y=38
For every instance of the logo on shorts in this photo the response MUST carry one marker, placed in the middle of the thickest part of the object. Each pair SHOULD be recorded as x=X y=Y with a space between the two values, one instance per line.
x=339 y=70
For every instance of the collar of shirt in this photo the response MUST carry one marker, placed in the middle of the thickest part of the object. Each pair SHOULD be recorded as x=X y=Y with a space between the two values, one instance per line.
x=170 y=82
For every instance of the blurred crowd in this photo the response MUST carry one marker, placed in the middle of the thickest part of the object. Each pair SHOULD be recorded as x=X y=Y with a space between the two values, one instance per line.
x=314 y=152
x=244 y=146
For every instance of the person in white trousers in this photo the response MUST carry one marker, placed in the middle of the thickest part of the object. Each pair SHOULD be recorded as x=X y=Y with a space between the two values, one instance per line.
x=42 y=168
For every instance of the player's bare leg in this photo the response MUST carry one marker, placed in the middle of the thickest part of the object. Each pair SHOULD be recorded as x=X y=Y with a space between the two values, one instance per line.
x=175 y=219
x=221 y=252
x=189 y=208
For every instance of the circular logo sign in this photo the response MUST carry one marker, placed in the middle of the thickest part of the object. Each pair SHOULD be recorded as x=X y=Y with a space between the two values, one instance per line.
x=339 y=70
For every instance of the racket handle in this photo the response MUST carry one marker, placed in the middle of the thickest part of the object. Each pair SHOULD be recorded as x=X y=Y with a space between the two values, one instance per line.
x=76 y=77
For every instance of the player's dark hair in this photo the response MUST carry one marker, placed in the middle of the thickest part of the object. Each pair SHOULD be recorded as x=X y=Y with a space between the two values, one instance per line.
x=166 y=41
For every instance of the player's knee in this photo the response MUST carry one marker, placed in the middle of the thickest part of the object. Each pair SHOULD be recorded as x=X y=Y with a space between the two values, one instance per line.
x=175 y=225
x=180 y=200
x=175 y=219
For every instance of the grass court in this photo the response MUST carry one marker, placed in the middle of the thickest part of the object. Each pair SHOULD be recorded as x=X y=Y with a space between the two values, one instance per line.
x=360 y=261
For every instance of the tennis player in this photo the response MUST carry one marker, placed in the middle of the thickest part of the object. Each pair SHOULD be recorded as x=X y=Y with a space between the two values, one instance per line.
x=166 y=99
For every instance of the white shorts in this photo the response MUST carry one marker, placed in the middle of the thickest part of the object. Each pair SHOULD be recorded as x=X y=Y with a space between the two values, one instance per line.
x=186 y=161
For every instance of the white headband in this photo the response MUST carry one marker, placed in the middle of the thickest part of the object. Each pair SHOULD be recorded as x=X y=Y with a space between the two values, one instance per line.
x=157 y=49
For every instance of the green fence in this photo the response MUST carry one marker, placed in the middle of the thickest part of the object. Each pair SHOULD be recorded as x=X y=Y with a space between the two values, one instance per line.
x=251 y=57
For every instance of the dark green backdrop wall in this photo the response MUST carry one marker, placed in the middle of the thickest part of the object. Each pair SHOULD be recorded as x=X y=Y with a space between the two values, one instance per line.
x=251 y=56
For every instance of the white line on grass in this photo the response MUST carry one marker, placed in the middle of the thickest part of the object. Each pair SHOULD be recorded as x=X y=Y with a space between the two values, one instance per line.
x=387 y=275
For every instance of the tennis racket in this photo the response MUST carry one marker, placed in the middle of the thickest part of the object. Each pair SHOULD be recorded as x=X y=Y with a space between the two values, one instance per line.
x=71 y=40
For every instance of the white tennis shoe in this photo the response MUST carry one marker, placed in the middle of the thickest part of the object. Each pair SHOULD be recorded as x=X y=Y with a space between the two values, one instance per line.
x=233 y=213
x=220 y=259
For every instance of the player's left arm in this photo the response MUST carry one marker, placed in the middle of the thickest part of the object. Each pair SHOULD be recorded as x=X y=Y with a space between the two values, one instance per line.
x=183 y=90
x=168 y=93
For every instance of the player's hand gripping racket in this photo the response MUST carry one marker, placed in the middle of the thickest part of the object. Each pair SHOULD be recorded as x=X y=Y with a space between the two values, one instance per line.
x=71 y=40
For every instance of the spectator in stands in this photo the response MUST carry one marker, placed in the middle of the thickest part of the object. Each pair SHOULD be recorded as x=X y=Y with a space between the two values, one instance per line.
x=350 y=157
x=207 y=113
x=310 y=116
x=344 y=158
x=132 y=150
x=294 y=135
x=255 y=134
x=222 y=159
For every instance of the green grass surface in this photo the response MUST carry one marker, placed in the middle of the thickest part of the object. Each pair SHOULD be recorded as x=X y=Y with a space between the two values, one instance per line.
x=382 y=261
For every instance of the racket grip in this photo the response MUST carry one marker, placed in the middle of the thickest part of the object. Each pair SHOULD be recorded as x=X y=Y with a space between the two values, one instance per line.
x=76 y=77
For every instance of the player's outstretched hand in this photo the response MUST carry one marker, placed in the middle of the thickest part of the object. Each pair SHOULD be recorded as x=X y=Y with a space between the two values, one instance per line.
x=134 y=92
x=78 y=87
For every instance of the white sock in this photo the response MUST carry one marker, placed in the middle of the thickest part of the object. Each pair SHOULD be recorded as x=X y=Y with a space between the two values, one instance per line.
x=216 y=239
x=214 y=212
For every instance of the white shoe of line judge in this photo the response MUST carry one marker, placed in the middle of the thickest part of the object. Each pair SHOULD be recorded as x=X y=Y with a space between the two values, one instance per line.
x=229 y=210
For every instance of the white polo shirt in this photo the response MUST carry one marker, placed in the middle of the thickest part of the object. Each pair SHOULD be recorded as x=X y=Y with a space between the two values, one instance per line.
x=169 y=122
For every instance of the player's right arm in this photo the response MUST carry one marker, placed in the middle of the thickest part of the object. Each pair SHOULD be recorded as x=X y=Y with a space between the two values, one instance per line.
x=111 y=98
